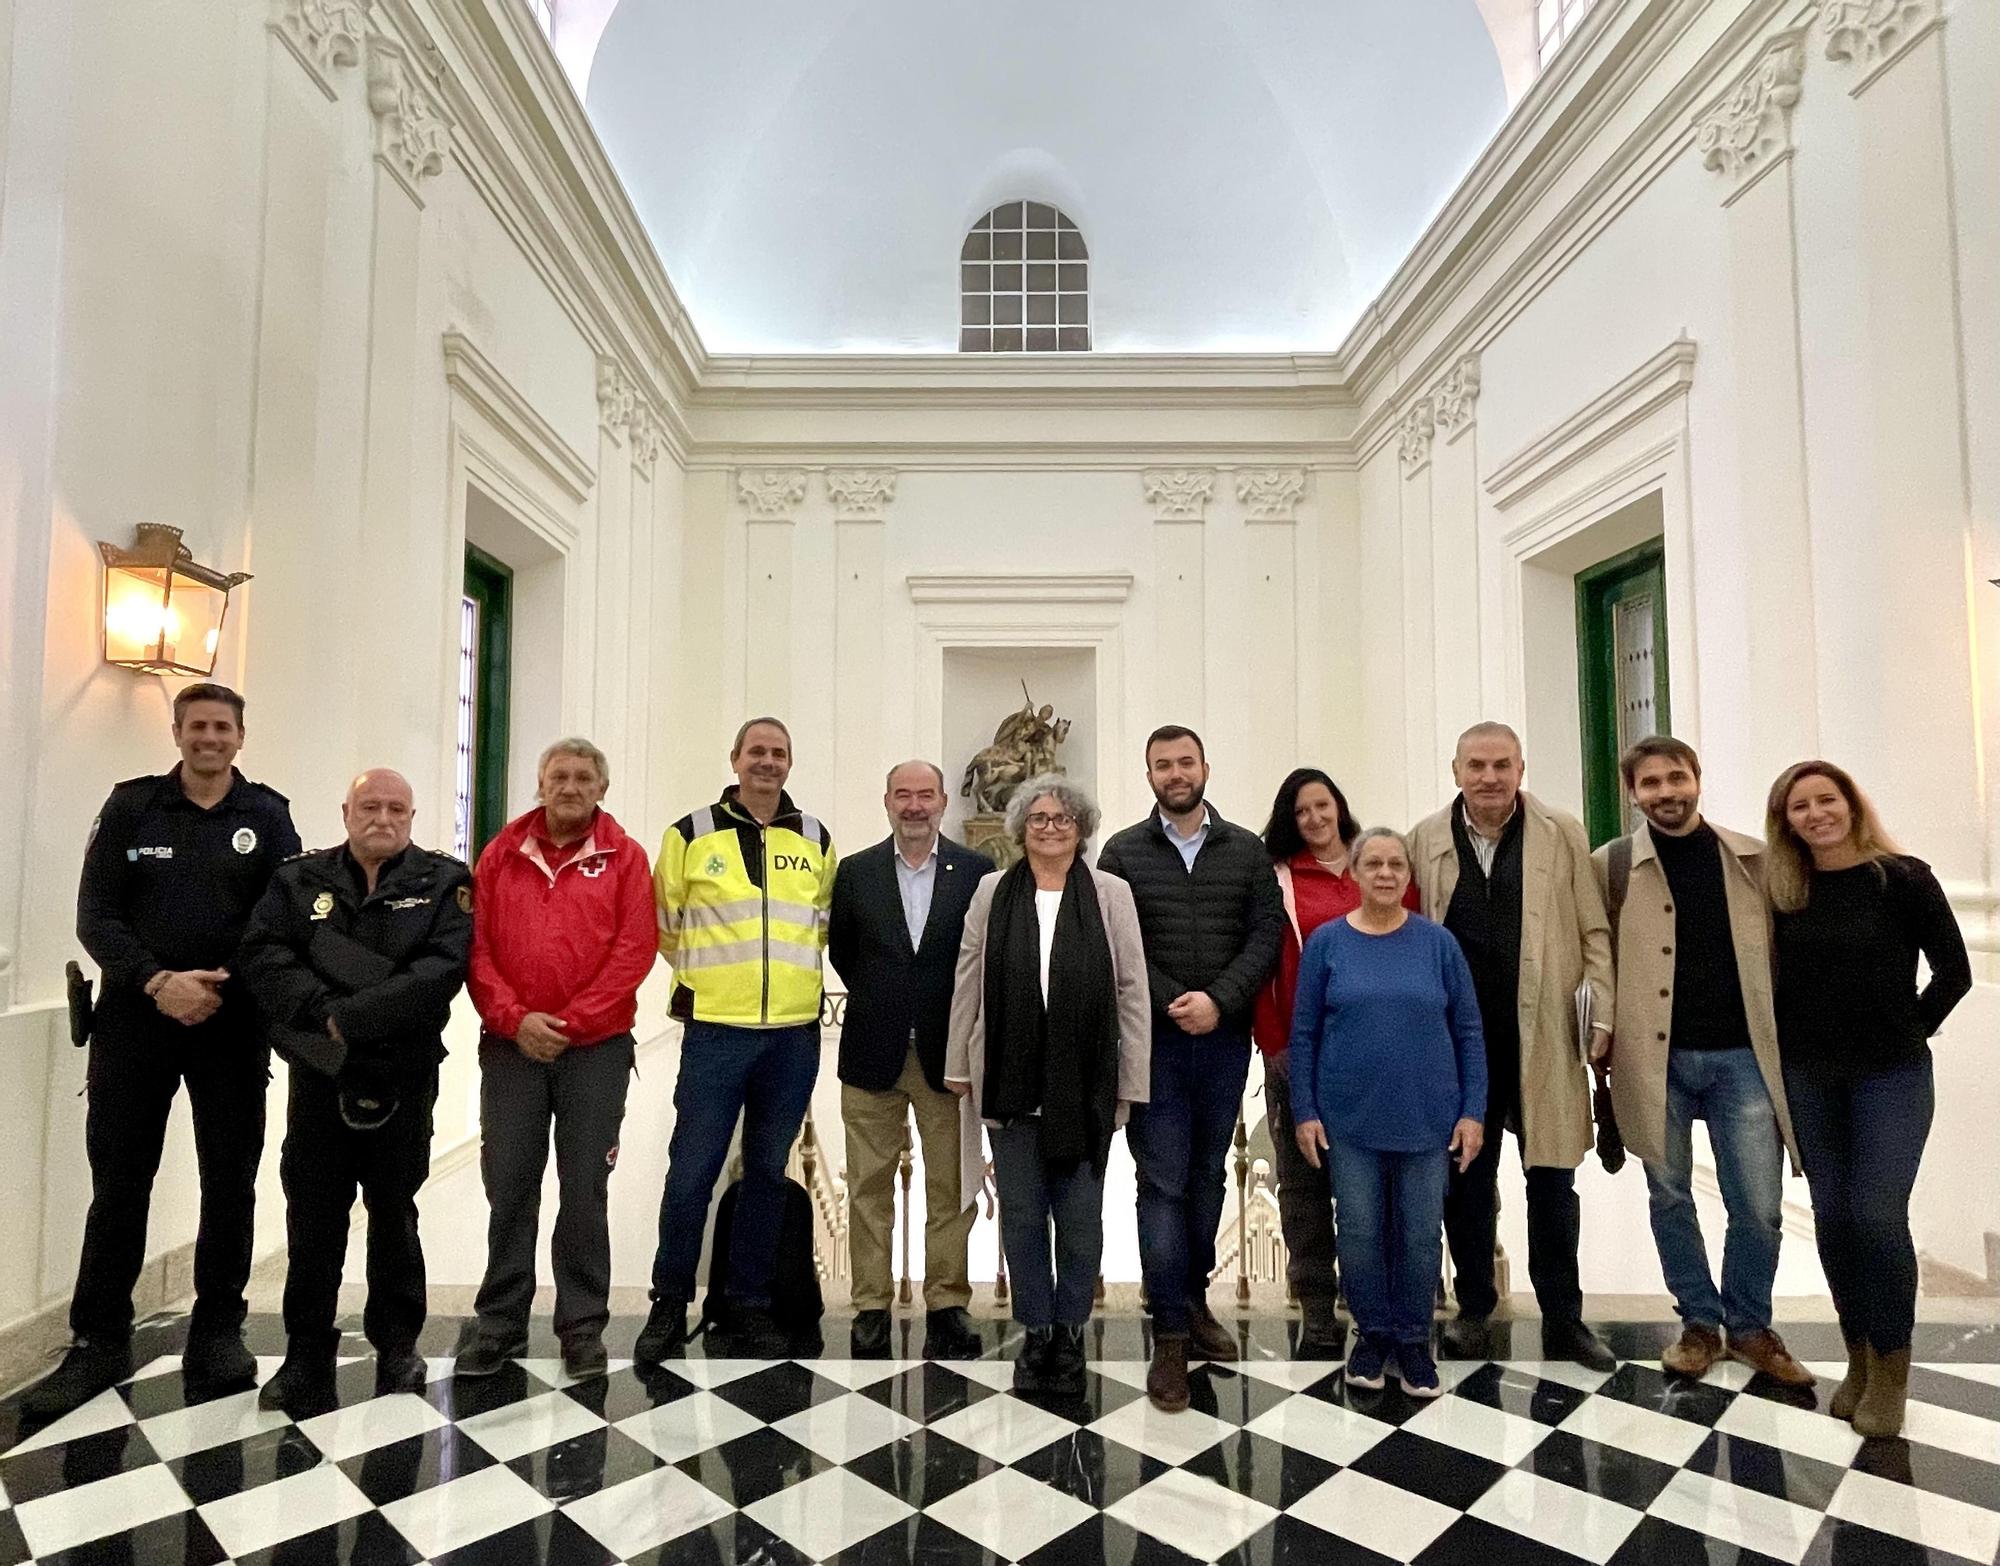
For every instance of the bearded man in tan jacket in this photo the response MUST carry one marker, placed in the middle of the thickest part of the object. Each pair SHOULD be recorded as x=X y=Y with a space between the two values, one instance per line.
x=1511 y=878
x=1697 y=1039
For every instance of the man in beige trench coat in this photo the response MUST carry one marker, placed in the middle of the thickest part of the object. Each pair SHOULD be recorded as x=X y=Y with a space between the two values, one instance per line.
x=1697 y=1040
x=1511 y=879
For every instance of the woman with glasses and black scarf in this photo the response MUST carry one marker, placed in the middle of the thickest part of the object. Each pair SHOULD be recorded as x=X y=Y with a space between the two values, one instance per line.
x=1051 y=1031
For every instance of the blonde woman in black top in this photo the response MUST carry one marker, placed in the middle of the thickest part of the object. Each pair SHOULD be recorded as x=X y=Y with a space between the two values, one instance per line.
x=1852 y=915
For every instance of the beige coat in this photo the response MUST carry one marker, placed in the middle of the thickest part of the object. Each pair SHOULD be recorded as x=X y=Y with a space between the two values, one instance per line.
x=965 y=1048
x=1645 y=960
x=1565 y=939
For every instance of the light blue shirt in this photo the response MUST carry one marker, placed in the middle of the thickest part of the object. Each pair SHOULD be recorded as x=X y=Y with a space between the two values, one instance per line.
x=916 y=887
x=1191 y=845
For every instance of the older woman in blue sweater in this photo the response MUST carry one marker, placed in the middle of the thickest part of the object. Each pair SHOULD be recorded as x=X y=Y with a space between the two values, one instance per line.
x=1388 y=1083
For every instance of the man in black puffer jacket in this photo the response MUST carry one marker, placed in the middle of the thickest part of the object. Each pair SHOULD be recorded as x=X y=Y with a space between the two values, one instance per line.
x=1212 y=919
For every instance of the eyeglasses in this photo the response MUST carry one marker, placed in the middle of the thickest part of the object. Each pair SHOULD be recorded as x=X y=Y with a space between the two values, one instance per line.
x=1051 y=821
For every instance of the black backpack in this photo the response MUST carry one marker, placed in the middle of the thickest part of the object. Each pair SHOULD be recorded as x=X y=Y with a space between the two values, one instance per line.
x=796 y=1303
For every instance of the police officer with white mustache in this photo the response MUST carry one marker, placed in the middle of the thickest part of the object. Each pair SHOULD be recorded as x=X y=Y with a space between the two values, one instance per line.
x=354 y=956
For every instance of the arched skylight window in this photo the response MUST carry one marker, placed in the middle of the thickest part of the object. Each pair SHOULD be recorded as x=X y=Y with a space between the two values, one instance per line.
x=1024 y=283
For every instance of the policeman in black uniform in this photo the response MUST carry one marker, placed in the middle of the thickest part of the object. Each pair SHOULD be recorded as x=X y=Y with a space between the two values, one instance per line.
x=354 y=956
x=173 y=867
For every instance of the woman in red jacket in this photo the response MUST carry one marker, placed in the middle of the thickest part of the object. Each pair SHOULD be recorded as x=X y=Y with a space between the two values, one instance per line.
x=563 y=934
x=1308 y=837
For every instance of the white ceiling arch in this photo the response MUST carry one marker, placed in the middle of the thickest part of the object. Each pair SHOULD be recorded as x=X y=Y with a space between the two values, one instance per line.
x=1247 y=173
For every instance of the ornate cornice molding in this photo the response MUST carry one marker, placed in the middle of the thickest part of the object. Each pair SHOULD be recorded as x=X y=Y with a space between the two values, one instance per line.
x=1270 y=494
x=412 y=134
x=1178 y=494
x=860 y=494
x=1413 y=436
x=1873 y=34
x=323 y=35
x=1455 y=399
x=771 y=492
x=1749 y=132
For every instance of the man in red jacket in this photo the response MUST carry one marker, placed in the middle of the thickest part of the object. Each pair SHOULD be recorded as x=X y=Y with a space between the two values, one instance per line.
x=563 y=936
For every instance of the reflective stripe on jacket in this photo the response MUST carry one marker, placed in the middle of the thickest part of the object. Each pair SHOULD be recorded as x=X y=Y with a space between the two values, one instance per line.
x=742 y=913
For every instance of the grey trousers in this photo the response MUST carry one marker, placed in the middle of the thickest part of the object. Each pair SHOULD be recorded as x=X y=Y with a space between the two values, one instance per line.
x=581 y=1095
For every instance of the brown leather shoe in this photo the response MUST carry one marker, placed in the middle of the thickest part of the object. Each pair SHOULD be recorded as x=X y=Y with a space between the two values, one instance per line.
x=1765 y=1352
x=1166 y=1378
x=1699 y=1348
x=1207 y=1337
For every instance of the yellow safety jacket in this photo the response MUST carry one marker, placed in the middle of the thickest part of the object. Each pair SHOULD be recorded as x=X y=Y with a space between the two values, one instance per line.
x=743 y=913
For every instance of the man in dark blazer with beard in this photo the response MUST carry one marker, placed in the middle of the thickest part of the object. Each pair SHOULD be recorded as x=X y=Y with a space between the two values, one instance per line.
x=898 y=913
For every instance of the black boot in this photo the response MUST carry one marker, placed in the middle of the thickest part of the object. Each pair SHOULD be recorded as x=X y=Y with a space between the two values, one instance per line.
x=90 y=1366
x=215 y=1361
x=1321 y=1335
x=1031 y=1365
x=949 y=1334
x=752 y=1332
x=1468 y=1337
x=1066 y=1362
x=302 y=1388
x=869 y=1337
x=665 y=1332
x=583 y=1356
x=400 y=1370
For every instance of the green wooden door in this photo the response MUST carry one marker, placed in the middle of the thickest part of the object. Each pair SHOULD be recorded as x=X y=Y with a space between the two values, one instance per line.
x=1621 y=654
x=485 y=635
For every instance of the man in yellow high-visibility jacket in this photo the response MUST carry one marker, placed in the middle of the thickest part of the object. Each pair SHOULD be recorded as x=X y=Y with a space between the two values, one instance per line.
x=743 y=888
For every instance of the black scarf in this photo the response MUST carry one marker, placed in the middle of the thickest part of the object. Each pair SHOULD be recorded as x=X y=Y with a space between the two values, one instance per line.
x=1060 y=1058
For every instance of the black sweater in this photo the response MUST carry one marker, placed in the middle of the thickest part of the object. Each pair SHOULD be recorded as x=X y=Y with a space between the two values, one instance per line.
x=1215 y=928
x=1847 y=966
x=1708 y=991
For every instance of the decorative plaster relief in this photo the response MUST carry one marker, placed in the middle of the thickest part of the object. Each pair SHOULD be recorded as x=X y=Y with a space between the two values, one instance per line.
x=412 y=136
x=1870 y=33
x=1413 y=436
x=324 y=34
x=617 y=398
x=1270 y=494
x=1178 y=494
x=1751 y=128
x=1456 y=398
x=645 y=435
x=860 y=494
x=771 y=492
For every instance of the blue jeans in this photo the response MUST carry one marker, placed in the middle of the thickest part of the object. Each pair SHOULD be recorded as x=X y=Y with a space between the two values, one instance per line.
x=1861 y=1137
x=1391 y=1237
x=1180 y=1141
x=1724 y=1088
x=766 y=1075
x=1031 y=1198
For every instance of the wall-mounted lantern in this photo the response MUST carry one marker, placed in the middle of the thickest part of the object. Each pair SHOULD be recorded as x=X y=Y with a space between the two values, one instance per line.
x=162 y=612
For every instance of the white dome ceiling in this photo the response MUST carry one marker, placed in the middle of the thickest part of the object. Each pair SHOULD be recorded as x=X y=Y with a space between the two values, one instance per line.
x=1247 y=173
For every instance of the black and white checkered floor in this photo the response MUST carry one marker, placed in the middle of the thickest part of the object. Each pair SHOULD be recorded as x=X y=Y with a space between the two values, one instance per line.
x=890 y=1461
